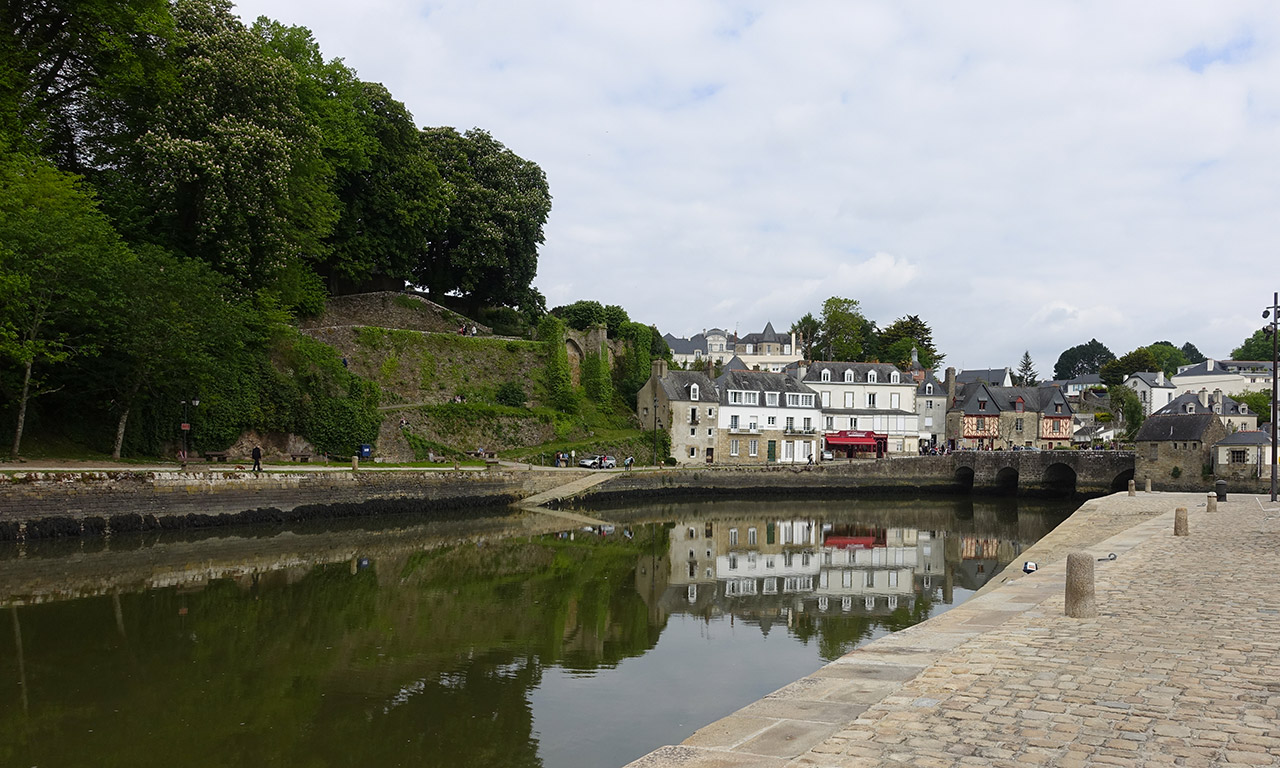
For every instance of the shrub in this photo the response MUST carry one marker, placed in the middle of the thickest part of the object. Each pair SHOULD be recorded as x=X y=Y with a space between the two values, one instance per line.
x=511 y=393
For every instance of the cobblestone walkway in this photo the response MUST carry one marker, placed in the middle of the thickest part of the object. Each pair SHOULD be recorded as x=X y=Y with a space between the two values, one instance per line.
x=1181 y=667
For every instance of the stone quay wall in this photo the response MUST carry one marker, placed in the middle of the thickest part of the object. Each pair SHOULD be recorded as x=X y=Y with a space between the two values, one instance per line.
x=48 y=504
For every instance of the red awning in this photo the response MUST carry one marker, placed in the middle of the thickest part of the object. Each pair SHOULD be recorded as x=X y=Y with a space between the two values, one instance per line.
x=850 y=437
x=850 y=542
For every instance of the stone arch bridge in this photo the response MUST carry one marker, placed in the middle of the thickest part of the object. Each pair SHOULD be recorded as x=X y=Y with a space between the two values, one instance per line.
x=1049 y=472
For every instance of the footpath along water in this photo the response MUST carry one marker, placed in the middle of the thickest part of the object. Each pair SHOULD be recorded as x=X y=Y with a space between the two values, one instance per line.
x=481 y=643
x=1180 y=666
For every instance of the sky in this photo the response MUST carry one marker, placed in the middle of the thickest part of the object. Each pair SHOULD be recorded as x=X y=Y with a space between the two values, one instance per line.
x=1022 y=176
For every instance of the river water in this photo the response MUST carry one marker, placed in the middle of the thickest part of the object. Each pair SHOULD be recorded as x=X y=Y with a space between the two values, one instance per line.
x=492 y=641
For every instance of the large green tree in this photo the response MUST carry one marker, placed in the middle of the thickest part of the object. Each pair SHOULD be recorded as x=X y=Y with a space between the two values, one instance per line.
x=904 y=334
x=1026 y=375
x=59 y=257
x=233 y=169
x=1193 y=355
x=1256 y=347
x=806 y=330
x=1116 y=371
x=1082 y=359
x=497 y=204
x=1168 y=357
x=846 y=333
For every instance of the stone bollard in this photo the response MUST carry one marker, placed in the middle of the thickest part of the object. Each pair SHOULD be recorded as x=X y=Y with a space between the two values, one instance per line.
x=1080 y=598
x=355 y=463
x=1133 y=488
x=1148 y=485
x=1180 y=521
x=1212 y=504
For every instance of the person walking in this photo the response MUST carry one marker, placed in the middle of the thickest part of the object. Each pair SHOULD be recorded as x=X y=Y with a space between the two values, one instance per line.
x=627 y=464
x=257 y=459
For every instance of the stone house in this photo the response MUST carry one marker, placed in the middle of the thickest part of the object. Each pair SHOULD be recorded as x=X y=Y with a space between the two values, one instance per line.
x=1175 y=450
x=986 y=417
x=687 y=407
x=1235 y=415
x=766 y=418
x=931 y=411
x=767 y=350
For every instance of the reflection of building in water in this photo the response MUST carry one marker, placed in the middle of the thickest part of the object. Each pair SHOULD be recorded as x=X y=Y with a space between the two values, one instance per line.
x=806 y=564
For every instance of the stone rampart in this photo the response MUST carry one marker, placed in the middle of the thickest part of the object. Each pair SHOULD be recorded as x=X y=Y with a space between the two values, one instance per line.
x=77 y=503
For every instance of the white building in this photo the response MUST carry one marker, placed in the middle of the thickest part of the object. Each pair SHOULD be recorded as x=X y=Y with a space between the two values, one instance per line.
x=868 y=397
x=766 y=418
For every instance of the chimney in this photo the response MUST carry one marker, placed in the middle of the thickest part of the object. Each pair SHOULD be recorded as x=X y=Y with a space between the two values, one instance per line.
x=1208 y=364
x=660 y=368
x=951 y=387
x=1160 y=378
x=1217 y=396
x=1204 y=397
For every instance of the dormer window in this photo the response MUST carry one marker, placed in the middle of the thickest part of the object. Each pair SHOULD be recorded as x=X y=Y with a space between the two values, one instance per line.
x=982 y=405
x=928 y=389
x=848 y=377
x=826 y=375
x=871 y=377
x=894 y=378
x=1217 y=407
x=693 y=391
x=1244 y=409
x=1188 y=408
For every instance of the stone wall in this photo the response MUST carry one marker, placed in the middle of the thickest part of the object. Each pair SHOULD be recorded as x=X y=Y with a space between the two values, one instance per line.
x=71 y=504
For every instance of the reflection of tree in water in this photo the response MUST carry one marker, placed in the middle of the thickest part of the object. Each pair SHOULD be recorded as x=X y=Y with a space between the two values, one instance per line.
x=427 y=661
x=837 y=635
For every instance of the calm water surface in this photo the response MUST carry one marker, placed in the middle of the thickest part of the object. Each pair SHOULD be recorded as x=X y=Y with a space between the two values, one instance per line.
x=469 y=643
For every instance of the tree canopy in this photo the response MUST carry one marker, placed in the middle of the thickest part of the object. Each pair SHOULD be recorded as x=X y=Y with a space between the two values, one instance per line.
x=904 y=334
x=1026 y=375
x=1081 y=359
x=1256 y=347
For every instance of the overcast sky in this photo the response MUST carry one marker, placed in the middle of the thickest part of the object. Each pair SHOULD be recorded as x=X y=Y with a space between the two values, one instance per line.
x=1023 y=176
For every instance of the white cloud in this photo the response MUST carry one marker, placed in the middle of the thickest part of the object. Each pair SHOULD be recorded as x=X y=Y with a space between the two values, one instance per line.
x=1024 y=175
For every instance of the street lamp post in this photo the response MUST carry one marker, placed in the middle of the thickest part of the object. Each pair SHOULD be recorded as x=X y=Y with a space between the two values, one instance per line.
x=1274 y=313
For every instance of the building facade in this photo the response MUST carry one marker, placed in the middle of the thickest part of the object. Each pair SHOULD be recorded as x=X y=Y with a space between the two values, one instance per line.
x=766 y=418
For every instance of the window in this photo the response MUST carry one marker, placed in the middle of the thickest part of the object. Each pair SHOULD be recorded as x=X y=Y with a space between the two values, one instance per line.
x=868 y=579
x=753 y=448
x=711 y=411
x=871 y=377
x=893 y=578
x=770 y=399
x=733 y=447
x=808 y=423
x=752 y=557
x=894 y=378
x=1017 y=425
x=826 y=375
x=1238 y=456
x=791 y=423
x=771 y=585
x=733 y=421
x=848 y=376
x=751 y=537
x=869 y=603
x=733 y=561
x=733 y=537
x=928 y=389
x=982 y=405
x=846 y=579
x=693 y=431
x=848 y=399
x=1057 y=407
x=895 y=401
x=709 y=432
x=826 y=399
x=928 y=405
x=773 y=421
x=831 y=422
x=693 y=391
x=769 y=562
x=871 y=399
x=693 y=452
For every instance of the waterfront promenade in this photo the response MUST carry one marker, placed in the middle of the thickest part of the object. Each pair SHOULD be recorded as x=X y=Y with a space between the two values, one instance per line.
x=1180 y=668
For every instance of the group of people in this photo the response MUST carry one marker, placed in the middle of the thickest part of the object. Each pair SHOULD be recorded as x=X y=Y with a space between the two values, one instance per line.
x=933 y=450
x=464 y=330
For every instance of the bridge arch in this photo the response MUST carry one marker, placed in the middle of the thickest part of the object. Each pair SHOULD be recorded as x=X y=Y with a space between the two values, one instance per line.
x=1059 y=479
x=1007 y=481
x=964 y=479
x=574 y=352
x=1121 y=481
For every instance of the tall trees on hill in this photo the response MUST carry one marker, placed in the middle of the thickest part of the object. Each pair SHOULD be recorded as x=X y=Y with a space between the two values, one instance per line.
x=173 y=183
x=1081 y=359
x=843 y=332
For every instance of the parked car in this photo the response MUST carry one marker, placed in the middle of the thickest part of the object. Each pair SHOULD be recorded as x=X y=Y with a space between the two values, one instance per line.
x=827 y=456
x=598 y=461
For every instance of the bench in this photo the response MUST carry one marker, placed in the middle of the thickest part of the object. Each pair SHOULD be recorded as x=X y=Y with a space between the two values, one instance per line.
x=303 y=457
x=483 y=454
x=218 y=455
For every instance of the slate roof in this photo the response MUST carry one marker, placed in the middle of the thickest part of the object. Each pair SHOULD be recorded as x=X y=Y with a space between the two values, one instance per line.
x=1149 y=378
x=1175 y=426
x=1246 y=438
x=860 y=371
x=1001 y=399
x=1226 y=368
x=677 y=386
x=680 y=346
x=1178 y=405
x=767 y=336
x=989 y=375
x=760 y=381
x=938 y=387
x=735 y=364
x=1087 y=380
